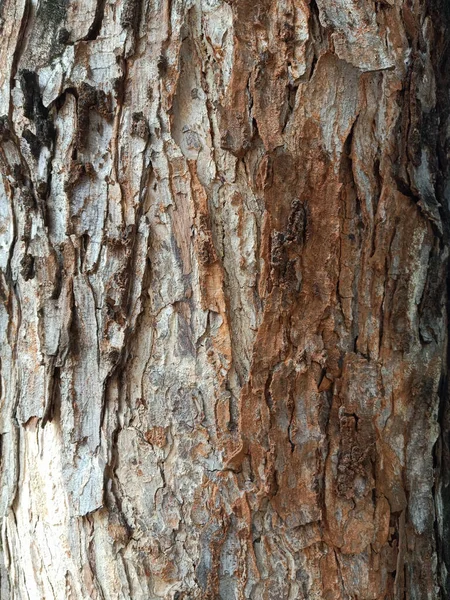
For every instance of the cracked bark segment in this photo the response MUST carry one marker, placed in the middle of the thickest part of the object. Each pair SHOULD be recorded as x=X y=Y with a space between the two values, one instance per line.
x=358 y=33
x=223 y=307
x=88 y=99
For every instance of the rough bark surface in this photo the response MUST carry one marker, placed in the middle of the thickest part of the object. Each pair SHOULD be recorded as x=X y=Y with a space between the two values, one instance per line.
x=223 y=261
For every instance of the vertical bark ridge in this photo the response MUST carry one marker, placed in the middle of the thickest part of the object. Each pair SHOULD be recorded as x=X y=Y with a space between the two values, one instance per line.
x=223 y=256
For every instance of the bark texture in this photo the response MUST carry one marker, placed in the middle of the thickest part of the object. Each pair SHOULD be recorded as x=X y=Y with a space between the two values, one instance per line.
x=223 y=263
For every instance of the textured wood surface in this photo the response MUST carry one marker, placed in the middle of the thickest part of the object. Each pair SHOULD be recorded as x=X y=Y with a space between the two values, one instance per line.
x=224 y=235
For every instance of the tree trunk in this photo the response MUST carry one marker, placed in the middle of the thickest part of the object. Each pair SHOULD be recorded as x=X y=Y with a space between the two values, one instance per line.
x=224 y=248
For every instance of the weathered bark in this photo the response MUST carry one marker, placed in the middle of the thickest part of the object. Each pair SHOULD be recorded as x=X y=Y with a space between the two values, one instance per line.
x=223 y=262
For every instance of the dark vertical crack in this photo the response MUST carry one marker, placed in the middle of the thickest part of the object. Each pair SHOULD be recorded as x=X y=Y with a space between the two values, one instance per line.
x=96 y=25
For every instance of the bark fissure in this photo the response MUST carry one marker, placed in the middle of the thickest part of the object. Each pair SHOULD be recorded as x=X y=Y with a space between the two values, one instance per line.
x=224 y=234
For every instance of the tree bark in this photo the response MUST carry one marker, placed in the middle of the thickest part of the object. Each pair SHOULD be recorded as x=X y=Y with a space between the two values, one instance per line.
x=224 y=248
